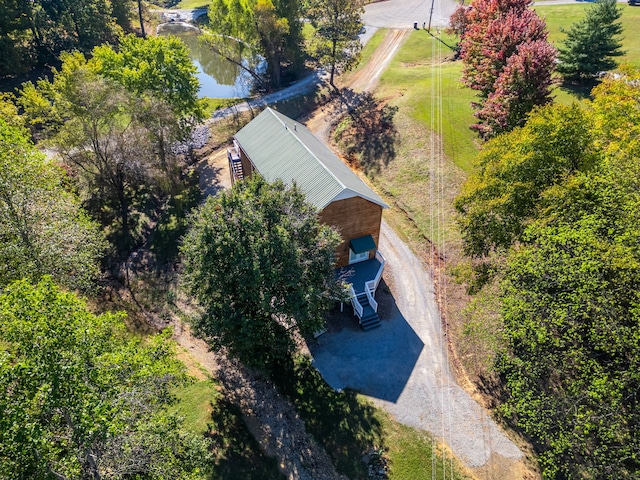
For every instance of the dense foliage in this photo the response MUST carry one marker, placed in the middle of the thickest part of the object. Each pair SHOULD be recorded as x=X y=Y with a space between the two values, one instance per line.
x=108 y=119
x=592 y=43
x=81 y=398
x=560 y=198
x=42 y=227
x=261 y=266
x=515 y=169
x=36 y=32
x=155 y=66
x=507 y=60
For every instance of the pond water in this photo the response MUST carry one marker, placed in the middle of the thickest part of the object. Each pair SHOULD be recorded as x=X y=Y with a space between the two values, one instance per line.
x=218 y=77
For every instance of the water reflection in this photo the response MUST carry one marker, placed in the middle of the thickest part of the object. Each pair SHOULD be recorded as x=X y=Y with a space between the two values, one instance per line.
x=218 y=77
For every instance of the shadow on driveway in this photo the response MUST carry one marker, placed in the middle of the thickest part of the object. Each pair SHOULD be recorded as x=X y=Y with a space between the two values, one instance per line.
x=377 y=363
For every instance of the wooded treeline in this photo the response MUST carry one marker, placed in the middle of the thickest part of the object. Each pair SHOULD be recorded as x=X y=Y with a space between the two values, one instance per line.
x=552 y=217
x=34 y=32
x=83 y=397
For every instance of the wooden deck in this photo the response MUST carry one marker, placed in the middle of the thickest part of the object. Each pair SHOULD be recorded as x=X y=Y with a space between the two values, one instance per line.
x=359 y=273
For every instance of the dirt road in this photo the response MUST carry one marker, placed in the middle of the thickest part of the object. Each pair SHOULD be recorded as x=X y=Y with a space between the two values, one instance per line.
x=404 y=365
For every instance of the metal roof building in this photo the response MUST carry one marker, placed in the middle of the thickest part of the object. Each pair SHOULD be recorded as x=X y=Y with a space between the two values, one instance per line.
x=279 y=147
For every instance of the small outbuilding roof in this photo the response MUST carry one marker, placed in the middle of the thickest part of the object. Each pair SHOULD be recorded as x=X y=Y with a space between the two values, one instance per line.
x=280 y=147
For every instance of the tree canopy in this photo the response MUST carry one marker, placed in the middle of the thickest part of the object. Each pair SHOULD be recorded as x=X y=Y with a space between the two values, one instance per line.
x=270 y=28
x=114 y=133
x=571 y=307
x=262 y=267
x=506 y=59
x=560 y=200
x=592 y=43
x=515 y=169
x=42 y=227
x=36 y=32
x=338 y=24
x=157 y=66
x=81 y=398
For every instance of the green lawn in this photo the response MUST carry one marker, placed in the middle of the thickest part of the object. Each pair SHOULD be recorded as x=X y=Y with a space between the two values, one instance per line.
x=413 y=454
x=422 y=69
x=236 y=454
x=188 y=4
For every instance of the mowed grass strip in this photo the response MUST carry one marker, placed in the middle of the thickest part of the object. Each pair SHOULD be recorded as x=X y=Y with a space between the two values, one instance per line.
x=236 y=454
x=423 y=81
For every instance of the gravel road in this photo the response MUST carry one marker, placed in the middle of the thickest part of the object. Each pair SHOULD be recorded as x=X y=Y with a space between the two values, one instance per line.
x=409 y=372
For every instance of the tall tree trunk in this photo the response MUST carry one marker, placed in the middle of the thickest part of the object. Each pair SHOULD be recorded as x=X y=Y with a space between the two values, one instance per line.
x=144 y=35
x=333 y=63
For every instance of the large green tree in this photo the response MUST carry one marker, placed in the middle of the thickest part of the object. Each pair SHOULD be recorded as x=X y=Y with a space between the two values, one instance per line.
x=83 y=399
x=571 y=308
x=36 y=31
x=157 y=66
x=43 y=230
x=270 y=28
x=338 y=24
x=515 y=169
x=262 y=267
x=592 y=43
x=114 y=131
x=89 y=121
x=159 y=72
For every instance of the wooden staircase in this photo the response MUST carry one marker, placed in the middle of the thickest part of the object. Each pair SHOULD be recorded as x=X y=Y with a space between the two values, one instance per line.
x=235 y=163
x=370 y=318
x=236 y=166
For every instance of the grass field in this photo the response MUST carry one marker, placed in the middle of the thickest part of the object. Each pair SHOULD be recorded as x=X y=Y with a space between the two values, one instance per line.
x=189 y=4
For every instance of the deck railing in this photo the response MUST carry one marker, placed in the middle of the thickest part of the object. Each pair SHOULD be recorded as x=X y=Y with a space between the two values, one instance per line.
x=372 y=301
x=372 y=285
x=235 y=163
x=357 y=308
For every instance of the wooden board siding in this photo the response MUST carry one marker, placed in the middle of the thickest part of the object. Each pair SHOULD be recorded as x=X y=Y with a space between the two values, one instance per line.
x=247 y=167
x=353 y=217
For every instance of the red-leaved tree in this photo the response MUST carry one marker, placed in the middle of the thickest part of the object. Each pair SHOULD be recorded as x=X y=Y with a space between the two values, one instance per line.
x=492 y=31
x=524 y=84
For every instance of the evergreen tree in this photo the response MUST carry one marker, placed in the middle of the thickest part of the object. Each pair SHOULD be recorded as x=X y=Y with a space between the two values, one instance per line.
x=592 y=44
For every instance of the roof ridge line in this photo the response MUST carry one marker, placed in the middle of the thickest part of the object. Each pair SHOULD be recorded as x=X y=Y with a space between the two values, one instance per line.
x=322 y=164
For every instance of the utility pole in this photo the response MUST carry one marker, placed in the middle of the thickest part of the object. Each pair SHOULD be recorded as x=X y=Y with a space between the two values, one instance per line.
x=430 y=15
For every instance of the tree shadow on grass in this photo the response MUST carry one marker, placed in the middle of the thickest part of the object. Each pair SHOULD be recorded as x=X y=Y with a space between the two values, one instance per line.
x=344 y=425
x=367 y=133
x=236 y=452
x=580 y=90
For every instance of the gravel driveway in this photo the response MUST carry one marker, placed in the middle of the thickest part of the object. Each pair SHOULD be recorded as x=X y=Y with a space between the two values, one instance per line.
x=403 y=366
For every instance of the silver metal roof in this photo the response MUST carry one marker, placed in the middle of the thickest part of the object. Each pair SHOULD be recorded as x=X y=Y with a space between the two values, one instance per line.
x=280 y=147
